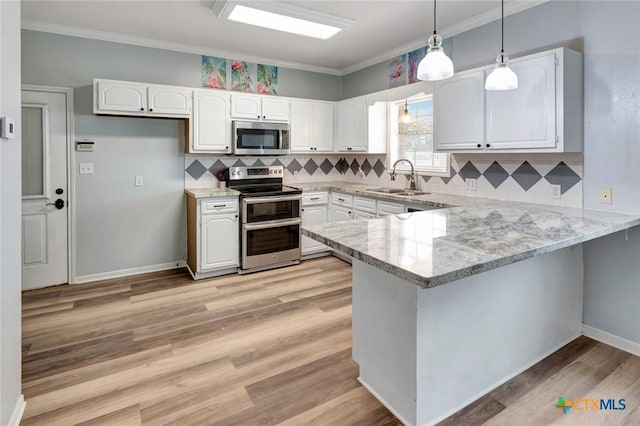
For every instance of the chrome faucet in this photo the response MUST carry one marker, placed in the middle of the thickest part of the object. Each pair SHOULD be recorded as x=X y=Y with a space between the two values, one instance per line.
x=412 y=179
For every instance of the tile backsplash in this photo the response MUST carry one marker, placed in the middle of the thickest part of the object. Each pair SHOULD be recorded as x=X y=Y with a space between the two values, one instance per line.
x=514 y=177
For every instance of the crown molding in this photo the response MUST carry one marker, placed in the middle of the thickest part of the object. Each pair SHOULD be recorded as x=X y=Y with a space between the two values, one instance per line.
x=166 y=45
x=510 y=8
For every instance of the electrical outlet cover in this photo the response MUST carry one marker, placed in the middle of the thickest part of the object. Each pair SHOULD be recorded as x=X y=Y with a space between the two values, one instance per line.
x=556 y=191
x=605 y=196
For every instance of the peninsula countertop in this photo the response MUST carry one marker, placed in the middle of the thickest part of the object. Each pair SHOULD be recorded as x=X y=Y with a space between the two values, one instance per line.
x=211 y=192
x=431 y=248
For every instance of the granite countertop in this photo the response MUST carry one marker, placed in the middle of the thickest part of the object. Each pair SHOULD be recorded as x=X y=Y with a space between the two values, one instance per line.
x=431 y=248
x=211 y=192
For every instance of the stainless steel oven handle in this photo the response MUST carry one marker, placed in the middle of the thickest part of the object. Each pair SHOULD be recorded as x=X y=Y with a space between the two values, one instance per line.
x=253 y=227
x=263 y=200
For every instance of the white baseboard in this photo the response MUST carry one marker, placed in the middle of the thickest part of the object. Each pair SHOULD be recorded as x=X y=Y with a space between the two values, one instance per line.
x=18 y=411
x=611 y=339
x=132 y=271
x=383 y=402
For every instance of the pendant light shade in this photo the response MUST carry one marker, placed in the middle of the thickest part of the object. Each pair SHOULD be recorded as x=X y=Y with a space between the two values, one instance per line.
x=502 y=77
x=436 y=65
x=405 y=117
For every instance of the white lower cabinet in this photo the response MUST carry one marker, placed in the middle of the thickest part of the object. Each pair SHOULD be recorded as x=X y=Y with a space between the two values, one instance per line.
x=341 y=214
x=360 y=214
x=386 y=208
x=219 y=241
x=213 y=236
x=313 y=215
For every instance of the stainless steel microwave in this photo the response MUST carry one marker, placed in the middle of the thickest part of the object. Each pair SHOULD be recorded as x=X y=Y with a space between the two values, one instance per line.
x=260 y=138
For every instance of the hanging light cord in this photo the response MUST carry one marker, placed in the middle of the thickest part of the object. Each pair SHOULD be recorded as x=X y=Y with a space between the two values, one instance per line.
x=434 y=17
x=502 y=37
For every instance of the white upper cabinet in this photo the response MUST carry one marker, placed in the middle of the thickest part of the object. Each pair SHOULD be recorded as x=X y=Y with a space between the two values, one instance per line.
x=128 y=98
x=352 y=125
x=211 y=122
x=311 y=126
x=545 y=112
x=120 y=96
x=458 y=116
x=256 y=107
x=169 y=100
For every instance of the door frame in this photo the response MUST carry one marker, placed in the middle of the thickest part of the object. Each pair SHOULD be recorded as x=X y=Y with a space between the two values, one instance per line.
x=71 y=181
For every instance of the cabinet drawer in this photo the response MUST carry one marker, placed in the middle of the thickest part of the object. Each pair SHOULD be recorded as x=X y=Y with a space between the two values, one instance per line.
x=219 y=205
x=312 y=198
x=365 y=204
x=385 y=208
x=339 y=199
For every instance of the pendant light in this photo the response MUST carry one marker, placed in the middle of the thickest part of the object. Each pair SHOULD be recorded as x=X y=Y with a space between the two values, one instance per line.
x=502 y=77
x=405 y=117
x=436 y=65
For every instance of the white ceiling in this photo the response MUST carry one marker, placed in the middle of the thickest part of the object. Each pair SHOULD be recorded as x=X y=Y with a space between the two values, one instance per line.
x=382 y=28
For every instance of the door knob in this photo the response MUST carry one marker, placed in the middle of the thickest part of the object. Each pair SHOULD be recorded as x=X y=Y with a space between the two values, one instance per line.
x=59 y=204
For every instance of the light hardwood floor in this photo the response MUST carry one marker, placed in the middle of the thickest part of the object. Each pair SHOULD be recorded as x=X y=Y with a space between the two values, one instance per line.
x=267 y=348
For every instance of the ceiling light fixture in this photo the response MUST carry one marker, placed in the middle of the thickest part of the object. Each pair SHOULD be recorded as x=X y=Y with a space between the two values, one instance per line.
x=436 y=65
x=502 y=77
x=283 y=17
x=405 y=117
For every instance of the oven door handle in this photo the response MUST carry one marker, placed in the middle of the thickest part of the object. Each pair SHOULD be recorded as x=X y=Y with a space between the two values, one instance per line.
x=271 y=224
x=262 y=200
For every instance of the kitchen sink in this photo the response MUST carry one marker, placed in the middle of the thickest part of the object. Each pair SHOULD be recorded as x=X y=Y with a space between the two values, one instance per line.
x=396 y=191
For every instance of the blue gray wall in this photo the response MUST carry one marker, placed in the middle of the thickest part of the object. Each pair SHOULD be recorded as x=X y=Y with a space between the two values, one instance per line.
x=10 y=221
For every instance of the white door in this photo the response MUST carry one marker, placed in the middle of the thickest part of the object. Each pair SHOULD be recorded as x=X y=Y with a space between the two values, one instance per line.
x=211 y=122
x=323 y=126
x=44 y=189
x=276 y=109
x=169 y=100
x=313 y=215
x=220 y=241
x=458 y=117
x=352 y=127
x=302 y=126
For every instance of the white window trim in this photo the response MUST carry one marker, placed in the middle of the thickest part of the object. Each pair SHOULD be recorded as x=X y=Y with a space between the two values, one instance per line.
x=393 y=129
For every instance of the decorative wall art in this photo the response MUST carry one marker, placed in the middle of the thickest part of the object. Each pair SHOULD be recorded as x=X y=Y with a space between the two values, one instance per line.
x=398 y=71
x=400 y=75
x=214 y=72
x=267 y=79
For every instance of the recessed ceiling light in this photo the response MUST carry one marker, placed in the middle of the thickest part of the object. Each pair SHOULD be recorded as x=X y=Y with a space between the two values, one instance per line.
x=283 y=17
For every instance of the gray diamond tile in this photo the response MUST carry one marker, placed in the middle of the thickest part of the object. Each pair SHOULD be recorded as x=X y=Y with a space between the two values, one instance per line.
x=355 y=166
x=564 y=176
x=239 y=163
x=447 y=179
x=495 y=174
x=216 y=167
x=366 y=167
x=196 y=169
x=379 y=168
x=342 y=166
x=258 y=163
x=277 y=162
x=526 y=176
x=294 y=166
x=469 y=171
x=326 y=166
x=426 y=178
x=311 y=167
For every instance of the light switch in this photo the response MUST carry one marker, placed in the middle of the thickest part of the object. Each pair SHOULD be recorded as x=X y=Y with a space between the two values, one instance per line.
x=556 y=191
x=86 y=168
x=139 y=181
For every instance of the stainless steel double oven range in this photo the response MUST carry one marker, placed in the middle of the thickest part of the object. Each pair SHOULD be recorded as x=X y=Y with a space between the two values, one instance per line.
x=270 y=218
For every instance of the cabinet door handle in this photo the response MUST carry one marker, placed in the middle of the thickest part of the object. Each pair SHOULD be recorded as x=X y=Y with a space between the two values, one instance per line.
x=301 y=209
x=150 y=109
x=141 y=109
x=349 y=212
x=264 y=117
x=341 y=199
x=219 y=205
x=258 y=116
x=226 y=147
x=488 y=145
x=314 y=198
x=479 y=145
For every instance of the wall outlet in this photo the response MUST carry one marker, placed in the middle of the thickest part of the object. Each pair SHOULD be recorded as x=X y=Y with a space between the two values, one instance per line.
x=139 y=181
x=86 y=168
x=470 y=184
x=556 y=191
x=605 y=196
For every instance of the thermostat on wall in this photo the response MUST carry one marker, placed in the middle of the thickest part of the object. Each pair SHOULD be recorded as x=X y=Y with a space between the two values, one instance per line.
x=84 y=146
x=7 y=128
